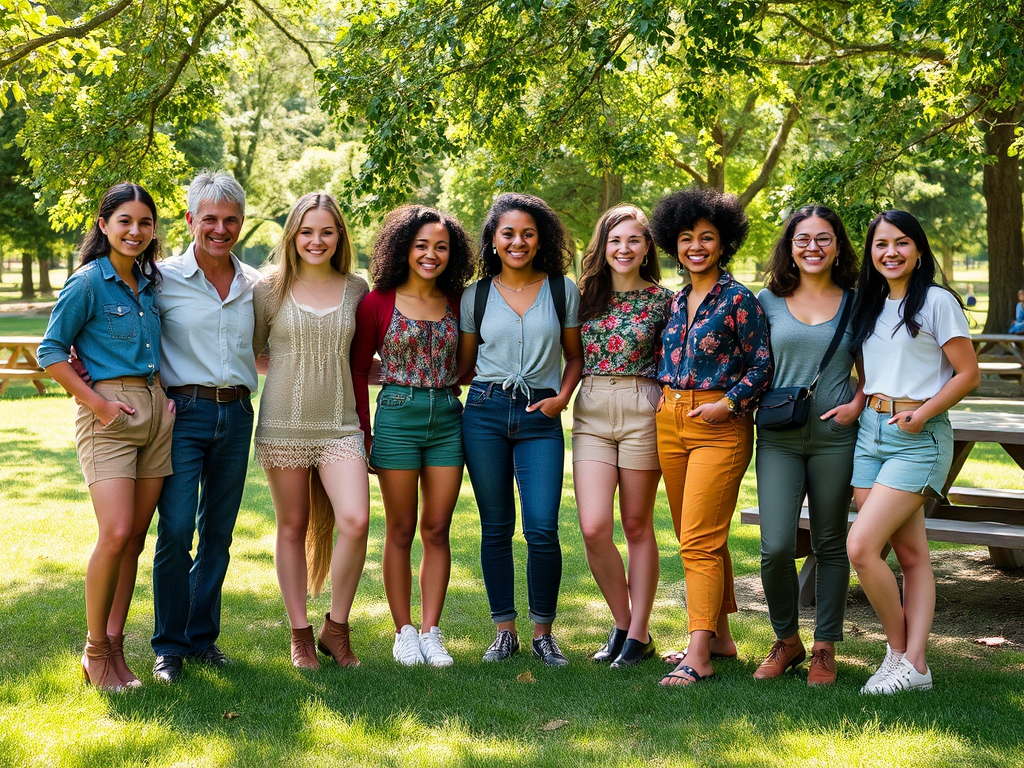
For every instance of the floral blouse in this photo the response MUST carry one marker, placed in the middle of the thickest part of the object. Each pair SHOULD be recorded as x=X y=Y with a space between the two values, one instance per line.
x=420 y=353
x=624 y=341
x=727 y=347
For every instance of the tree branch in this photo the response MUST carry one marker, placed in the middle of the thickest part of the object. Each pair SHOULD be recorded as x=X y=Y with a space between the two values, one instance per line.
x=285 y=32
x=772 y=160
x=694 y=174
x=734 y=140
x=75 y=32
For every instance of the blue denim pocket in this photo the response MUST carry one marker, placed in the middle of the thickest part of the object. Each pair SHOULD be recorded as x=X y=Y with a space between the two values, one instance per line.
x=476 y=395
x=121 y=321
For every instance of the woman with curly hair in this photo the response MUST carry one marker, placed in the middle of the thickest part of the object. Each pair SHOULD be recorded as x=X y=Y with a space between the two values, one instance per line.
x=421 y=261
x=614 y=436
x=308 y=440
x=714 y=366
x=807 y=295
x=517 y=324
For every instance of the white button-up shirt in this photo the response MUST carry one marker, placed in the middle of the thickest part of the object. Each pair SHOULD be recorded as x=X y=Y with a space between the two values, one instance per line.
x=205 y=340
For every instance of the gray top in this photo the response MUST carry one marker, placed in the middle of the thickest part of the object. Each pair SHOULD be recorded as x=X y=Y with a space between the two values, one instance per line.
x=798 y=349
x=522 y=352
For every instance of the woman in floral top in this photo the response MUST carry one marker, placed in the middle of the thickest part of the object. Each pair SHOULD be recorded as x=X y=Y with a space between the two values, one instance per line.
x=420 y=263
x=714 y=365
x=614 y=437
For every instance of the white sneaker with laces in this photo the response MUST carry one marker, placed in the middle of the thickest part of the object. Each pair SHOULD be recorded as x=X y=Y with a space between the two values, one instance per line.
x=890 y=660
x=407 y=647
x=433 y=649
x=901 y=677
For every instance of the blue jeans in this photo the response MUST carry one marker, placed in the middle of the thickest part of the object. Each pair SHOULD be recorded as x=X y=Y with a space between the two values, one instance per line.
x=210 y=453
x=504 y=443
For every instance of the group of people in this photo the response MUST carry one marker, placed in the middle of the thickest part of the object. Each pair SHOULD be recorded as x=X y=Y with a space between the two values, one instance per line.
x=161 y=357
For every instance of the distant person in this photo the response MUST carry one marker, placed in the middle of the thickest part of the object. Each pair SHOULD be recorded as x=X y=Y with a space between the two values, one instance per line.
x=970 y=300
x=1018 y=321
x=108 y=311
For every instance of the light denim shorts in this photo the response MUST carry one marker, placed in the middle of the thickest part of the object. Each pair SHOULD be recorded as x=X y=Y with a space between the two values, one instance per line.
x=887 y=455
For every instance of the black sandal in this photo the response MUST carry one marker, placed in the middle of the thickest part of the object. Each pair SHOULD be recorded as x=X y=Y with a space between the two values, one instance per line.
x=688 y=673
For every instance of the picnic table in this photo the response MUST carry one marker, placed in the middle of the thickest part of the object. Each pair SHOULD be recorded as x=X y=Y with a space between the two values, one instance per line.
x=18 y=361
x=1000 y=354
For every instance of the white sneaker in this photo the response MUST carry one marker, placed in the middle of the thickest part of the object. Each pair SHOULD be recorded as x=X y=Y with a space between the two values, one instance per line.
x=433 y=649
x=407 y=647
x=888 y=663
x=901 y=677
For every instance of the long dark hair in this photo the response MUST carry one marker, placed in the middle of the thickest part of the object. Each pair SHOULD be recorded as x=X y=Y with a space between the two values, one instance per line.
x=782 y=276
x=96 y=243
x=872 y=288
x=595 y=274
x=555 y=250
x=389 y=262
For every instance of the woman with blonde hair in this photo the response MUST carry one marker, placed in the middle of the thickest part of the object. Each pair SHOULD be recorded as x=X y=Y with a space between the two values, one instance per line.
x=308 y=439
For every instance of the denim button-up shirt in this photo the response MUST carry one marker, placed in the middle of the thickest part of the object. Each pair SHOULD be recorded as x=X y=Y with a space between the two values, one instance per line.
x=727 y=347
x=115 y=332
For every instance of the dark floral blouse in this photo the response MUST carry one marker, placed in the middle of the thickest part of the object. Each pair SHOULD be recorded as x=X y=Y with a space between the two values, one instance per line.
x=727 y=347
x=624 y=341
x=420 y=353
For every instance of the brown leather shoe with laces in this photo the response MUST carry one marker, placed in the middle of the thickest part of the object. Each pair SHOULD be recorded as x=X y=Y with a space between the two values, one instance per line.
x=823 y=667
x=334 y=642
x=304 y=649
x=780 y=658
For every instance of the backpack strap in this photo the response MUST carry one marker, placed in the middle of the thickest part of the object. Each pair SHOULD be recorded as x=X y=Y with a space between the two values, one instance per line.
x=483 y=289
x=556 y=283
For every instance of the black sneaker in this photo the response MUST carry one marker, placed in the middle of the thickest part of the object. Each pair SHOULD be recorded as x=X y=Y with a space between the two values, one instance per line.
x=213 y=656
x=505 y=646
x=546 y=649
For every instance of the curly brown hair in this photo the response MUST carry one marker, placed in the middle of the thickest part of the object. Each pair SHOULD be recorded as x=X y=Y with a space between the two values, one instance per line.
x=555 y=250
x=782 y=276
x=681 y=210
x=389 y=262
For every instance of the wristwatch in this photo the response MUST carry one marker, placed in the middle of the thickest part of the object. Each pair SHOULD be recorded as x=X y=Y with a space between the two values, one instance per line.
x=730 y=404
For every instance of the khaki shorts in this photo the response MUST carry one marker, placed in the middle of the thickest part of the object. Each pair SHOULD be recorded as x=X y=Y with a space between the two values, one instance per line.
x=614 y=422
x=134 y=445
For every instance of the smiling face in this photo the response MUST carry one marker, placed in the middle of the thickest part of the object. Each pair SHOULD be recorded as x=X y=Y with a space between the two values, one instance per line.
x=814 y=246
x=895 y=256
x=699 y=249
x=429 y=252
x=517 y=239
x=129 y=229
x=626 y=247
x=215 y=228
x=317 y=238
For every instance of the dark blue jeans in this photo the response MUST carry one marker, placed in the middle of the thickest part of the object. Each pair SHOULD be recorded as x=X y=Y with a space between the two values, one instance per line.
x=504 y=443
x=210 y=454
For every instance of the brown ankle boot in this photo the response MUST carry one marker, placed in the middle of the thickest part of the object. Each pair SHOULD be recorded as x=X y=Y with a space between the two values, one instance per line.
x=125 y=675
x=98 y=667
x=334 y=642
x=304 y=649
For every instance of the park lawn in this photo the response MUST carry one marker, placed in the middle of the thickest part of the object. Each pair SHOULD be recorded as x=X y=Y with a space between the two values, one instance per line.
x=261 y=711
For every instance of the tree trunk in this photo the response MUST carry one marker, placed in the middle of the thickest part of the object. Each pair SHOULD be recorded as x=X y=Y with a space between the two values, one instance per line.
x=1004 y=218
x=27 y=291
x=611 y=192
x=947 y=262
x=44 y=274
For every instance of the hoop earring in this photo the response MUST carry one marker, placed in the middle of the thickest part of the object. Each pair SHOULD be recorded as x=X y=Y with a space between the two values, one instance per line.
x=647 y=258
x=918 y=265
x=495 y=249
x=793 y=261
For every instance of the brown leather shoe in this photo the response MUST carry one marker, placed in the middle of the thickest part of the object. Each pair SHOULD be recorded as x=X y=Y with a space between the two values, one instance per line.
x=334 y=642
x=304 y=649
x=823 y=667
x=97 y=666
x=780 y=658
x=125 y=675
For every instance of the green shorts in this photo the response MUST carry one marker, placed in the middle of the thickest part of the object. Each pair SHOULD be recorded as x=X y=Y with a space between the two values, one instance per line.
x=416 y=427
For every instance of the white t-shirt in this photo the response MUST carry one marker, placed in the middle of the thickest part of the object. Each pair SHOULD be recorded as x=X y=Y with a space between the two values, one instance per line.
x=913 y=368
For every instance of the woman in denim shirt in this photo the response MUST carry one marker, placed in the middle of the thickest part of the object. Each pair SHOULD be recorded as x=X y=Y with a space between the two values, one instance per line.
x=107 y=311
x=714 y=365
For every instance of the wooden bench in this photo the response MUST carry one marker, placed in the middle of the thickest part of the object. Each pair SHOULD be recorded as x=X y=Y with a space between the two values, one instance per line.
x=37 y=377
x=1003 y=370
x=1003 y=537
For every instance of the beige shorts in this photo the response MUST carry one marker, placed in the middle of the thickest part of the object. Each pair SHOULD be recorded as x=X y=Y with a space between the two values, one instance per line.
x=614 y=422
x=136 y=445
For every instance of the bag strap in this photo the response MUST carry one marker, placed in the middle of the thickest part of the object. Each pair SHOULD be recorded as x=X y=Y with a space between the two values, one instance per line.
x=556 y=283
x=483 y=288
x=837 y=337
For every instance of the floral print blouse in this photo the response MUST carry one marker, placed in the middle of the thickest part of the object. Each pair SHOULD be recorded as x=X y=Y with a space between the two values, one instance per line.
x=727 y=347
x=420 y=353
x=624 y=341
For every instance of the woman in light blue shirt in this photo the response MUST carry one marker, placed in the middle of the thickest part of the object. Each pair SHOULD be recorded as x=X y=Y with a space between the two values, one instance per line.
x=516 y=336
x=108 y=311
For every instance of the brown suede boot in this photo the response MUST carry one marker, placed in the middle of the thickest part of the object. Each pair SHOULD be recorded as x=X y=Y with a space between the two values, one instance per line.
x=97 y=666
x=334 y=642
x=125 y=675
x=304 y=649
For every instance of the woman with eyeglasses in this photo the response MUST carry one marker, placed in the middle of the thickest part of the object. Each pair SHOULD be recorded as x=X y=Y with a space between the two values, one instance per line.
x=809 y=281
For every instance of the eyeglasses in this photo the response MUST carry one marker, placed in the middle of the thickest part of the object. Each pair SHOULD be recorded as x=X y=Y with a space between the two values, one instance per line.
x=822 y=241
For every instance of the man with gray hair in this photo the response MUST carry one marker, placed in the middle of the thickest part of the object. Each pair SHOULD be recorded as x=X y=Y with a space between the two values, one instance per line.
x=207 y=367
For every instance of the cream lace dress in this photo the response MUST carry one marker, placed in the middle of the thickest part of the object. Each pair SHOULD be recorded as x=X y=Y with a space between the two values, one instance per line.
x=307 y=411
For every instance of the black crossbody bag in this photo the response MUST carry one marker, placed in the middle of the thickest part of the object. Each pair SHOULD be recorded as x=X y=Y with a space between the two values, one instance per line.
x=788 y=407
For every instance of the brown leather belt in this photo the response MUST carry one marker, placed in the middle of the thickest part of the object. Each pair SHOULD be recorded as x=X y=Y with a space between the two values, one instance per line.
x=883 y=404
x=217 y=394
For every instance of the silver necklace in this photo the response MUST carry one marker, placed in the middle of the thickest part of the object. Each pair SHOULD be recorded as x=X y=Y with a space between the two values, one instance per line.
x=518 y=290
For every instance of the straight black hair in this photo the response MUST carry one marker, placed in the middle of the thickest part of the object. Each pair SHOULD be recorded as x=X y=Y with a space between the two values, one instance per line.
x=96 y=243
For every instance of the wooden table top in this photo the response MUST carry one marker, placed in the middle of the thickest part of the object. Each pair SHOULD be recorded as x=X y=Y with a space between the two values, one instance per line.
x=976 y=427
x=20 y=341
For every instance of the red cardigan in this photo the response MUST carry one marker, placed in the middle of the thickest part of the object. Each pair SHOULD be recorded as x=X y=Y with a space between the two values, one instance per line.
x=372 y=320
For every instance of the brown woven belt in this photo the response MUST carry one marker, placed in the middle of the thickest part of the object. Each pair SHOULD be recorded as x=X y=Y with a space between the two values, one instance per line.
x=217 y=394
x=883 y=404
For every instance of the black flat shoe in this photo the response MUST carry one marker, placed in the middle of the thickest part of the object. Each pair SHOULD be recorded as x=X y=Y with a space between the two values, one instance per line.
x=167 y=668
x=611 y=650
x=213 y=656
x=633 y=652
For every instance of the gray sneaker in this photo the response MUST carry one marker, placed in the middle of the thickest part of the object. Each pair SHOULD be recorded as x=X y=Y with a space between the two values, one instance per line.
x=505 y=646
x=546 y=649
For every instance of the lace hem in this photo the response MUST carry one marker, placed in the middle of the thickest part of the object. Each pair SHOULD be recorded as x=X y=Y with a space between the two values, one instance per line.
x=287 y=454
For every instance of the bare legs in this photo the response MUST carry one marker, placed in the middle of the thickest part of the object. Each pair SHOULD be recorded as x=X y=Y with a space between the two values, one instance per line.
x=400 y=492
x=885 y=514
x=630 y=599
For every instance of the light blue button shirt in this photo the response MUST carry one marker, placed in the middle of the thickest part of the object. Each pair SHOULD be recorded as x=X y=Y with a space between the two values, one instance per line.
x=525 y=352
x=206 y=340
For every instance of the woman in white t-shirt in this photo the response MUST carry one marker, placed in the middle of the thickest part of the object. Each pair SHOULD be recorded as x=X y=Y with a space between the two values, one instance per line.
x=915 y=344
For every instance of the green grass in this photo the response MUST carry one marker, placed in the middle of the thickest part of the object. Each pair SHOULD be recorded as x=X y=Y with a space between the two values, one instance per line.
x=470 y=715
